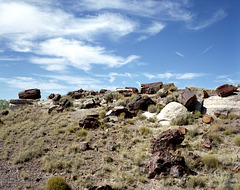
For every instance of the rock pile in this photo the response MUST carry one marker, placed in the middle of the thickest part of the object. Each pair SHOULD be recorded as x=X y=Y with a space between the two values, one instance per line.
x=150 y=88
x=91 y=121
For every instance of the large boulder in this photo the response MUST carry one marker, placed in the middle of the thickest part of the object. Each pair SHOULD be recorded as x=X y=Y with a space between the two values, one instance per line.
x=216 y=104
x=164 y=164
x=91 y=121
x=225 y=90
x=30 y=94
x=151 y=88
x=134 y=90
x=168 y=140
x=93 y=103
x=140 y=103
x=125 y=92
x=171 y=111
x=77 y=94
x=188 y=98
x=116 y=111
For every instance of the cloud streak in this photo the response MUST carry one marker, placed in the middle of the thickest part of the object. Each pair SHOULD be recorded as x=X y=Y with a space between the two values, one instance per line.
x=179 y=54
x=207 y=49
x=168 y=75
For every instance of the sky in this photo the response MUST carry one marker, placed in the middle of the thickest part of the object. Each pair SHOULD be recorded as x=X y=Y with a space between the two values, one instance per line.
x=64 y=45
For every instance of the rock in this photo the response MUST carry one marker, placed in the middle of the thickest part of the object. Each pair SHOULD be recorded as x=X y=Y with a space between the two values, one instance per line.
x=168 y=140
x=207 y=119
x=125 y=92
x=171 y=111
x=221 y=112
x=6 y=112
x=134 y=90
x=30 y=94
x=111 y=148
x=20 y=101
x=51 y=109
x=163 y=164
x=77 y=94
x=225 y=90
x=59 y=109
x=106 y=187
x=148 y=114
x=51 y=96
x=141 y=103
x=199 y=105
x=84 y=146
x=215 y=104
x=66 y=103
x=188 y=98
x=116 y=111
x=1 y=121
x=91 y=103
x=204 y=94
x=57 y=97
x=151 y=88
x=91 y=121
x=102 y=91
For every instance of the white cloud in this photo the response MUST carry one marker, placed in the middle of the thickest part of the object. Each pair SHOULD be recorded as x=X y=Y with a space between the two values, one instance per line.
x=208 y=48
x=112 y=76
x=77 y=54
x=179 y=54
x=174 y=75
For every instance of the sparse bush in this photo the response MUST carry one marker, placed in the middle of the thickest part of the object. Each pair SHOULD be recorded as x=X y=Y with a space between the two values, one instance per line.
x=171 y=98
x=223 y=117
x=227 y=132
x=236 y=140
x=196 y=182
x=193 y=132
x=152 y=108
x=159 y=108
x=145 y=131
x=4 y=104
x=236 y=187
x=210 y=161
x=197 y=114
x=183 y=119
x=110 y=96
x=151 y=120
x=122 y=115
x=121 y=102
x=141 y=117
x=130 y=121
x=82 y=133
x=169 y=87
x=161 y=93
x=57 y=183
x=216 y=139
x=102 y=113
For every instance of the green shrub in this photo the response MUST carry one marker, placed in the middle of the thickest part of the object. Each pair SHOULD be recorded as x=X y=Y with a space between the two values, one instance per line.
x=145 y=131
x=216 y=139
x=151 y=120
x=141 y=117
x=169 y=87
x=171 y=98
x=236 y=140
x=227 y=132
x=183 y=119
x=223 y=117
x=236 y=187
x=197 y=114
x=4 y=104
x=122 y=115
x=152 y=108
x=159 y=108
x=210 y=161
x=196 y=182
x=112 y=95
x=57 y=183
x=121 y=102
x=82 y=133
x=161 y=93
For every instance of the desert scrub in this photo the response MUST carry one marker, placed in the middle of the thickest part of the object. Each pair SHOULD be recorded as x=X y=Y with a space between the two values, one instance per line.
x=4 y=104
x=194 y=182
x=236 y=187
x=27 y=155
x=121 y=102
x=141 y=117
x=144 y=131
x=110 y=96
x=210 y=161
x=152 y=108
x=82 y=133
x=197 y=114
x=227 y=132
x=183 y=119
x=161 y=93
x=169 y=87
x=122 y=115
x=236 y=140
x=102 y=113
x=216 y=139
x=151 y=119
x=171 y=98
x=159 y=108
x=57 y=183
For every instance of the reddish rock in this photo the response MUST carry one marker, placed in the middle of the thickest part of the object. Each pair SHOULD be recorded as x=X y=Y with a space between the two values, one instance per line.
x=151 y=88
x=188 y=98
x=205 y=94
x=66 y=103
x=91 y=121
x=225 y=90
x=30 y=94
x=59 y=109
x=76 y=94
x=168 y=140
x=51 y=109
x=207 y=119
x=6 y=112
x=91 y=103
x=102 y=91
x=141 y=103
x=57 y=97
x=134 y=90
x=51 y=96
x=20 y=101
x=163 y=164
x=125 y=92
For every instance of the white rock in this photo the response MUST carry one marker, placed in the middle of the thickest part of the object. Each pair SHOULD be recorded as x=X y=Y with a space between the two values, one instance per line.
x=148 y=114
x=170 y=111
x=217 y=103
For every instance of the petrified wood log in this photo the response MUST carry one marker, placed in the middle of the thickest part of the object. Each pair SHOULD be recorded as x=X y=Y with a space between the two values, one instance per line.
x=141 y=103
x=91 y=121
x=225 y=90
x=30 y=94
x=188 y=98
x=150 y=88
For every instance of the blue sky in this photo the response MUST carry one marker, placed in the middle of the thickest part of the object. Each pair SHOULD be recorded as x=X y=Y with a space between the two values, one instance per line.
x=60 y=46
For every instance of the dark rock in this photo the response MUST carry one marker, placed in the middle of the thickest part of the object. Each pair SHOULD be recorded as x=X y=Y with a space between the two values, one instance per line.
x=30 y=94
x=225 y=90
x=106 y=187
x=141 y=103
x=57 y=97
x=134 y=90
x=1 y=121
x=51 y=96
x=66 y=103
x=51 y=109
x=91 y=103
x=91 y=121
x=102 y=91
x=165 y=164
x=125 y=92
x=151 y=88
x=168 y=140
x=204 y=94
x=20 y=101
x=111 y=148
x=188 y=98
x=116 y=111
x=77 y=94
x=84 y=146
x=59 y=109
x=6 y=112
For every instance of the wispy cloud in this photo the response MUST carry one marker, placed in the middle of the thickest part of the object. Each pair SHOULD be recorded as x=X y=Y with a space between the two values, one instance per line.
x=208 y=48
x=169 y=75
x=226 y=79
x=179 y=54
x=112 y=76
